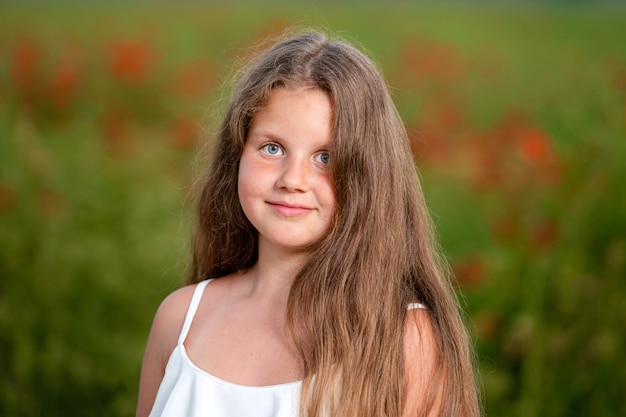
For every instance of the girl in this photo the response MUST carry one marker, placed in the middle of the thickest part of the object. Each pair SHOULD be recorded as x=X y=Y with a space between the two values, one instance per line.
x=315 y=288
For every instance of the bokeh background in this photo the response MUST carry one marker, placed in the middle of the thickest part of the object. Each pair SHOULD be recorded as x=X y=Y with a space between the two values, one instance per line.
x=517 y=116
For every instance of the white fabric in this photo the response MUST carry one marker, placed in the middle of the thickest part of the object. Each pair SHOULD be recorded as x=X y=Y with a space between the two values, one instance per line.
x=188 y=391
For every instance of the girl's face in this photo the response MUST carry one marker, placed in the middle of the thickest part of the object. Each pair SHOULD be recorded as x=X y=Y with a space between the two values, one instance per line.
x=284 y=185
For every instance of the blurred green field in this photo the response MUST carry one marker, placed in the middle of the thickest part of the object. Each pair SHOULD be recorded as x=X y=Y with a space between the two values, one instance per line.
x=517 y=117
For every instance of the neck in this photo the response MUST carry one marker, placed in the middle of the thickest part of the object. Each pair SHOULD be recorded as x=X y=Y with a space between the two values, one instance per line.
x=271 y=277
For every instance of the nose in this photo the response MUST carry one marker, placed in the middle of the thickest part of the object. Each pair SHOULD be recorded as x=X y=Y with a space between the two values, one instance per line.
x=295 y=174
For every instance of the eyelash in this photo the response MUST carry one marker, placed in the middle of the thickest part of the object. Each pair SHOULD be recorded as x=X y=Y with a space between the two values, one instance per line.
x=324 y=154
x=265 y=147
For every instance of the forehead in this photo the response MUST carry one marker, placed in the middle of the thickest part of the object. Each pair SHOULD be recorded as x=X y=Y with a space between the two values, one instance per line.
x=295 y=112
x=302 y=95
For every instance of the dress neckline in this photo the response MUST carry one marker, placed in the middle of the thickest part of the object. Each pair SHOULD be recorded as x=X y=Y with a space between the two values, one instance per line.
x=196 y=368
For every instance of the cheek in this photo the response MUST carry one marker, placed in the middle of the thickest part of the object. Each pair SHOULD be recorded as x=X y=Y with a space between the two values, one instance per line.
x=244 y=184
x=252 y=184
x=330 y=201
x=251 y=176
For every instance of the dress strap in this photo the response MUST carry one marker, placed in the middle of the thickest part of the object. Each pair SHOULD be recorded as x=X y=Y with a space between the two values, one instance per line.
x=191 y=312
x=411 y=306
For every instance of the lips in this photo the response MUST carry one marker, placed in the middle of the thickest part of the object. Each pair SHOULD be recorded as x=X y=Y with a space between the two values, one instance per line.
x=289 y=209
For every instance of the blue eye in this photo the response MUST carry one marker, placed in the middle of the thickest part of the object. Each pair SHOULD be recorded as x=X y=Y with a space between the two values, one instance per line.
x=323 y=158
x=272 y=149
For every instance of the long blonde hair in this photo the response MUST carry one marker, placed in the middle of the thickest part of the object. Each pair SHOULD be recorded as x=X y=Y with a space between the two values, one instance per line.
x=347 y=306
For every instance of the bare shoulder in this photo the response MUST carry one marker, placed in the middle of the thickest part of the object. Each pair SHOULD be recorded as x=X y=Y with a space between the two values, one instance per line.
x=169 y=318
x=163 y=338
x=175 y=305
x=419 y=335
x=422 y=362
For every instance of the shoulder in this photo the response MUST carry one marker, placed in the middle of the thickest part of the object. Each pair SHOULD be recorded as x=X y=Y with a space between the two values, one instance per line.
x=176 y=303
x=169 y=318
x=163 y=338
x=166 y=326
x=422 y=364
x=420 y=341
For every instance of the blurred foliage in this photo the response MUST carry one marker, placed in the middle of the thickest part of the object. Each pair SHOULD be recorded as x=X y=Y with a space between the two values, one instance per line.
x=517 y=118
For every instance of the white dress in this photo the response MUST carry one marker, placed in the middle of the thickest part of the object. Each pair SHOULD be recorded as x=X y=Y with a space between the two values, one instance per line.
x=188 y=391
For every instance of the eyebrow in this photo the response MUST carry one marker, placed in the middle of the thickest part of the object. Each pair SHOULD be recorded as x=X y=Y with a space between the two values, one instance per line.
x=266 y=134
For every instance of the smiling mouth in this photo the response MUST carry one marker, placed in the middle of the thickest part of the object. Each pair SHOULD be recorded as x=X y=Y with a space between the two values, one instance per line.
x=290 y=210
